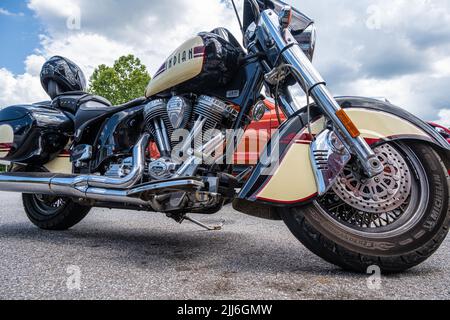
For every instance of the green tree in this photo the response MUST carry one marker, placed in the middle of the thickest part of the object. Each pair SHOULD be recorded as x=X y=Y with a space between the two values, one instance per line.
x=123 y=82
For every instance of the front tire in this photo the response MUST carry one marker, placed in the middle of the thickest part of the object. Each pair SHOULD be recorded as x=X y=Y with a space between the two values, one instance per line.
x=53 y=213
x=395 y=240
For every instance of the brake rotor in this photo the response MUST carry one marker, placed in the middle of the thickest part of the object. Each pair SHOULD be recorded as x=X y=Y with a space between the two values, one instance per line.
x=384 y=193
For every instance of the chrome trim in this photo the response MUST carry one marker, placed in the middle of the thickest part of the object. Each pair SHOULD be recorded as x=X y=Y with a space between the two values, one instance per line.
x=42 y=185
x=197 y=156
x=328 y=157
x=288 y=107
x=73 y=185
x=176 y=184
x=294 y=55
x=160 y=140
x=194 y=134
x=258 y=111
x=179 y=110
x=81 y=153
x=96 y=188
x=165 y=136
x=131 y=179
x=312 y=82
x=285 y=16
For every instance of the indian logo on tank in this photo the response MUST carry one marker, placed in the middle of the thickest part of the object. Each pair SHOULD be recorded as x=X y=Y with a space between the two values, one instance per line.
x=181 y=57
x=184 y=64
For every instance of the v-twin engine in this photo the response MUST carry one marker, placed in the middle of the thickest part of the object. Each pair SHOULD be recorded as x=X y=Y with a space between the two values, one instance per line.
x=198 y=116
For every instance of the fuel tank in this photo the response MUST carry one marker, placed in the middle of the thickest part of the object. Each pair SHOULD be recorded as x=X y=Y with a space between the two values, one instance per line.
x=205 y=61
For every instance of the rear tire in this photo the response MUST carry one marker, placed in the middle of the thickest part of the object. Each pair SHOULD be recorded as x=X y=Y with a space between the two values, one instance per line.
x=52 y=213
x=391 y=250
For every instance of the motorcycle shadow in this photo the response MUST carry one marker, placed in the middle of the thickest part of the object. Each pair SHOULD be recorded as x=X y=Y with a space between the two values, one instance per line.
x=192 y=251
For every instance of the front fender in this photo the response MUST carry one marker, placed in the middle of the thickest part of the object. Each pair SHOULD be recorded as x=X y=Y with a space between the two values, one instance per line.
x=285 y=176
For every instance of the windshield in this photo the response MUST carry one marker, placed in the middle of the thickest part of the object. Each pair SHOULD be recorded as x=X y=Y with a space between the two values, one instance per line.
x=299 y=20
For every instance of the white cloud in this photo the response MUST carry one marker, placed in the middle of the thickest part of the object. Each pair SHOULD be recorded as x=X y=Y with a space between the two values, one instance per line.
x=19 y=89
x=33 y=65
x=52 y=11
x=441 y=68
x=150 y=29
x=444 y=118
x=9 y=13
x=404 y=59
x=87 y=50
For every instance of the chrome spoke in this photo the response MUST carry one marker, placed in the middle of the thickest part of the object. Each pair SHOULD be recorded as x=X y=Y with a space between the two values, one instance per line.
x=372 y=203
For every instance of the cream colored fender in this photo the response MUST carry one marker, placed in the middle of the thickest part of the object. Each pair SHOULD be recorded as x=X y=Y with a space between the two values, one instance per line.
x=292 y=180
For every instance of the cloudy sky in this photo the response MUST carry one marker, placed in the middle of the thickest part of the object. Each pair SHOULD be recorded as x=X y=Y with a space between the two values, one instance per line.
x=398 y=49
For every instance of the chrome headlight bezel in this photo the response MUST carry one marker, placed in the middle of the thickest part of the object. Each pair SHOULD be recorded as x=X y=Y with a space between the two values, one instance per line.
x=307 y=40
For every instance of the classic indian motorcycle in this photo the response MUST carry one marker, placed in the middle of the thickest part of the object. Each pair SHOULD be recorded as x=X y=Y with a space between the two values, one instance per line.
x=358 y=181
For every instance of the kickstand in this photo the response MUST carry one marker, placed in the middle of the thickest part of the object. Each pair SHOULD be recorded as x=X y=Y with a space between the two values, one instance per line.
x=209 y=228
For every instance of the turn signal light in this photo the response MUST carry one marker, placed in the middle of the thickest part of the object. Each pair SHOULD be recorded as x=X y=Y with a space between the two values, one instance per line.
x=348 y=123
x=285 y=17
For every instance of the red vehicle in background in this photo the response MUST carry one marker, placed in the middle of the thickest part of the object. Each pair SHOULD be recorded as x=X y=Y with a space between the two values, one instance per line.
x=254 y=140
x=445 y=132
x=270 y=124
x=258 y=134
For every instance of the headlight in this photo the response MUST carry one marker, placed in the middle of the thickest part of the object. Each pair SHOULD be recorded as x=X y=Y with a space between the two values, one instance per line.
x=307 y=40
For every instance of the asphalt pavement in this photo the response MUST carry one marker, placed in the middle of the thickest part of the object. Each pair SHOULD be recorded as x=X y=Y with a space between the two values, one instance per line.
x=117 y=254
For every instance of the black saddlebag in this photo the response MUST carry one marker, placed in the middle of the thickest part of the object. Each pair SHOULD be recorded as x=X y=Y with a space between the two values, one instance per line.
x=33 y=134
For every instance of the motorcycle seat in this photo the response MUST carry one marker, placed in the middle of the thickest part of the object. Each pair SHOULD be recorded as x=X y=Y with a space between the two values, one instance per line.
x=84 y=108
x=72 y=101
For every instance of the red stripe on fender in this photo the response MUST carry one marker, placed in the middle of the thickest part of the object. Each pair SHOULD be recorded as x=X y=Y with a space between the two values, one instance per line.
x=6 y=145
x=371 y=141
x=308 y=142
x=289 y=202
x=65 y=153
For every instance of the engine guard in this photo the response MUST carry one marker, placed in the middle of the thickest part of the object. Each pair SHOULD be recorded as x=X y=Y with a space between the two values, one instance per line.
x=287 y=174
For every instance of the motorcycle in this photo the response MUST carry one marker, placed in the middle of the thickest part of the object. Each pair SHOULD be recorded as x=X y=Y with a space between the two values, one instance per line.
x=358 y=181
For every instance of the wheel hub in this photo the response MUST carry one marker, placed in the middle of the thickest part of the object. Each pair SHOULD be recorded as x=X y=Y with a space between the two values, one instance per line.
x=384 y=193
x=51 y=202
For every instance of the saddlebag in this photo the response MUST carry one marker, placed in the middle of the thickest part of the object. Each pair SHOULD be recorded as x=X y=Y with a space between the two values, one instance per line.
x=33 y=134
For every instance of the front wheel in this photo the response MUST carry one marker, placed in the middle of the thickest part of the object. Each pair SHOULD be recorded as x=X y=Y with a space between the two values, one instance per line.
x=394 y=221
x=53 y=213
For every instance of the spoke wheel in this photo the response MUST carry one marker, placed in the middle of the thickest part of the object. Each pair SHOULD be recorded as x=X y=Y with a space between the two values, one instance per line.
x=49 y=205
x=383 y=205
x=395 y=221
x=53 y=213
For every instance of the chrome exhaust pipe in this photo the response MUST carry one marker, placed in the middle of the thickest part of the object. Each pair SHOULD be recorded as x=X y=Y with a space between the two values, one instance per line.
x=78 y=186
x=96 y=188
x=115 y=183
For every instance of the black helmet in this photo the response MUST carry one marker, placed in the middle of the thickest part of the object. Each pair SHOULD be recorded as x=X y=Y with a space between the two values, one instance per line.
x=60 y=75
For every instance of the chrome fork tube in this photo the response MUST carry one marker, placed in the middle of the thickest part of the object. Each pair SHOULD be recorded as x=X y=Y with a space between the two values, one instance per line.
x=312 y=83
